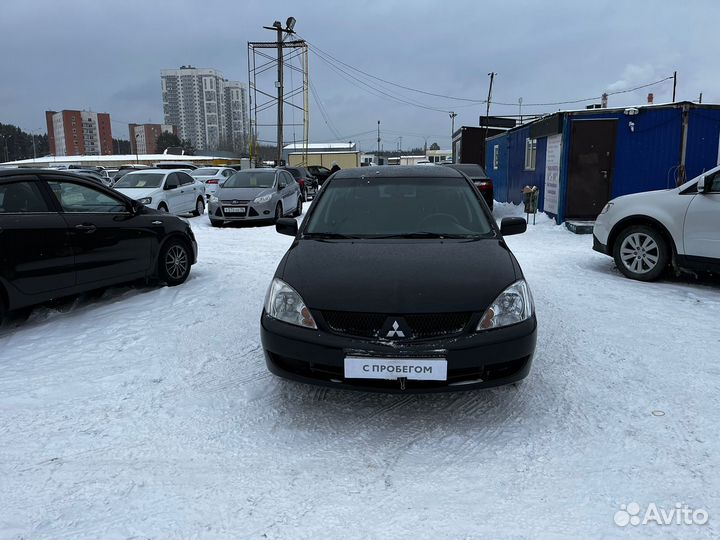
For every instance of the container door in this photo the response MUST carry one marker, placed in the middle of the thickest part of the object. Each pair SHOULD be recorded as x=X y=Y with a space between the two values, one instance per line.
x=590 y=169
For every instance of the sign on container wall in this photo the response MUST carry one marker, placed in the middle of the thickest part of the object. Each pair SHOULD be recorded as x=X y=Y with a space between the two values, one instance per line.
x=552 y=174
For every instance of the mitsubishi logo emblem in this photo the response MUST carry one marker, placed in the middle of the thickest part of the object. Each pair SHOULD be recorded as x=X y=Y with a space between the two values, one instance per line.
x=395 y=332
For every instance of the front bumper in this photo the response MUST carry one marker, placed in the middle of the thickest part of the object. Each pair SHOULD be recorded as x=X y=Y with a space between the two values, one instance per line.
x=253 y=212
x=475 y=360
x=599 y=246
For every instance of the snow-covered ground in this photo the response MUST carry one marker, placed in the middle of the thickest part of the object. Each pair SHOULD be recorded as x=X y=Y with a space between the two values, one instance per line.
x=148 y=412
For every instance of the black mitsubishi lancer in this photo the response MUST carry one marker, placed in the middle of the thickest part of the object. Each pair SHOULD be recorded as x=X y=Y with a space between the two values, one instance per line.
x=399 y=280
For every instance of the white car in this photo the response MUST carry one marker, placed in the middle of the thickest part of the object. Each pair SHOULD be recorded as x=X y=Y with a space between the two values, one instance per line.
x=646 y=232
x=164 y=190
x=212 y=177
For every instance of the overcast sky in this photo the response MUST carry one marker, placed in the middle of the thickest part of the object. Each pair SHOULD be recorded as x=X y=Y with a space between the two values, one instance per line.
x=106 y=56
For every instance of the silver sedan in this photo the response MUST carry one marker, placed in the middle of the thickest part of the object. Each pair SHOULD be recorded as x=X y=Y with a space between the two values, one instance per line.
x=255 y=195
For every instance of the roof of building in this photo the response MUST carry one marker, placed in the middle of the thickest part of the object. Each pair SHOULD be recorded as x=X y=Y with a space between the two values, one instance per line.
x=320 y=146
x=116 y=159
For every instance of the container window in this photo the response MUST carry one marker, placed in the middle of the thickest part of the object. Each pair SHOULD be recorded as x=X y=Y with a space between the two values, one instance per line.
x=530 y=154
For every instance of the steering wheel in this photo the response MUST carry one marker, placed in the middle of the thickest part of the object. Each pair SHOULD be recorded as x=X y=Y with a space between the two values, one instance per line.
x=444 y=218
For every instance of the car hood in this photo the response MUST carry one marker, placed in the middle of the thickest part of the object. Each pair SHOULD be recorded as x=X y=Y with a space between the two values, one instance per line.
x=138 y=193
x=243 y=194
x=395 y=277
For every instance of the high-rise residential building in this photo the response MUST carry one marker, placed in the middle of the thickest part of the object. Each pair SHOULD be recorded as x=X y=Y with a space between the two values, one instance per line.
x=236 y=114
x=143 y=137
x=79 y=133
x=197 y=102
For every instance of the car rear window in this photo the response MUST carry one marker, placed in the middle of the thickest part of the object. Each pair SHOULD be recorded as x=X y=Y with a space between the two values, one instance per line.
x=204 y=172
x=140 y=180
x=365 y=207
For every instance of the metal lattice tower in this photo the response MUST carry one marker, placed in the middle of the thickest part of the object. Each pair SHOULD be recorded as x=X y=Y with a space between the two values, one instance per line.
x=263 y=92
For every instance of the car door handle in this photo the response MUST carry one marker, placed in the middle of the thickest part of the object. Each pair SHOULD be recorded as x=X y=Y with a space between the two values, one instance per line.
x=156 y=222
x=88 y=228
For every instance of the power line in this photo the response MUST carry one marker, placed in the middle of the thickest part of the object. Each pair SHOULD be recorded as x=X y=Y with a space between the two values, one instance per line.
x=318 y=51
x=374 y=90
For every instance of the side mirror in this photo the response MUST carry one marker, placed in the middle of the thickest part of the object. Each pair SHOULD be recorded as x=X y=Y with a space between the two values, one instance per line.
x=702 y=184
x=281 y=186
x=169 y=186
x=287 y=226
x=512 y=225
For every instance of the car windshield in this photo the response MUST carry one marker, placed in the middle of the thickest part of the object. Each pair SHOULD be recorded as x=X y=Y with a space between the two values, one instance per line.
x=140 y=180
x=204 y=172
x=251 y=179
x=399 y=207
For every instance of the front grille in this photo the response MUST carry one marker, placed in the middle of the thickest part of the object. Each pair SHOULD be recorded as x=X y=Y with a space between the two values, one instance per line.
x=233 y=201
x=421 y=326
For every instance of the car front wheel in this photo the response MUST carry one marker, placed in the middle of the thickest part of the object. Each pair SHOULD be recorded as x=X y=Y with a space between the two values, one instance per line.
x=174 y=262
x=641 y=253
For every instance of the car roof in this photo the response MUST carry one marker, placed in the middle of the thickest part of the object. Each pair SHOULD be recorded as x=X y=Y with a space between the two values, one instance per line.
x=471 y=169
x=399 y=171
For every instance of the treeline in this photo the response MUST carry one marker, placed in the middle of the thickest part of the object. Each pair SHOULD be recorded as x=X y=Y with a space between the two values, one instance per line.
x=17 y=144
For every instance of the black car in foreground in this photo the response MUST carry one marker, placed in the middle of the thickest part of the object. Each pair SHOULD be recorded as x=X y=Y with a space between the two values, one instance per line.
x=62 y=234
x=399 y=280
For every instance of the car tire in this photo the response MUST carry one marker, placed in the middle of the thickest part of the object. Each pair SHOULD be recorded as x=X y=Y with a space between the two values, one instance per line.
x=216 y=223
x=641 y=253
x=199 y=207
x=278 y=212
x=163 y=207
x=3 y=309
x=304 y=194
x=174 y=262
x=298 y=209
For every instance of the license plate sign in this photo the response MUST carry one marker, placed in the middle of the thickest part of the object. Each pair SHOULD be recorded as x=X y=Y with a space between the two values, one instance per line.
x=417 y=369
x=235 y=210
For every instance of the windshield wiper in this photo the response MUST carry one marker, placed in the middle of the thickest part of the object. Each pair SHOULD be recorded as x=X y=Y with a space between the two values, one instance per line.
x=331 y=236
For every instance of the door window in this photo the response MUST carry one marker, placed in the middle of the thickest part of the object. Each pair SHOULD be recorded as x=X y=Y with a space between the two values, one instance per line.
x=172 y=181
x=714 y=182
x=83 y=199
x=185 y=179
x=227 y=173
x=21 y=198
x=282 y=180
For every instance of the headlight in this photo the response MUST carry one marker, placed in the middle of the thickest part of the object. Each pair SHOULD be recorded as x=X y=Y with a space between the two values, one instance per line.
x=284 y=304
x=263 y=199
x=606 y=207
x=145 y=200
x=214 y=199
x=514 y=305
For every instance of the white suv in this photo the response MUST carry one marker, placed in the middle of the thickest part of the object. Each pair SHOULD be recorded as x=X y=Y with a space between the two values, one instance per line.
x=645 y=232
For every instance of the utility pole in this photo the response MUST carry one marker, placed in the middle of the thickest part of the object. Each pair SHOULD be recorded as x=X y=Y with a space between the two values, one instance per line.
x=700 y=98
x=520 y=109
x=489 y=98
x=378 y=141
x=278 y=27
x=674 y=85
x=487 y=114
x=280 y=93
x=35 y=151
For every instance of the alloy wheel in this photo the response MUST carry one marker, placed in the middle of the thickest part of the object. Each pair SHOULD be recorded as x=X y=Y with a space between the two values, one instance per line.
x=639 y=253
x=176 y=262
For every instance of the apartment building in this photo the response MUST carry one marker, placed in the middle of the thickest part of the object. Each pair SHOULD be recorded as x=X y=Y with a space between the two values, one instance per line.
x=143 y=137
x=236 y=114
x=79 y=133
x=208 y=110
